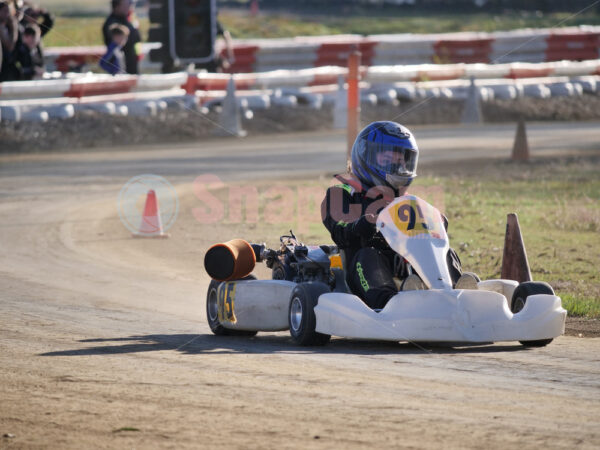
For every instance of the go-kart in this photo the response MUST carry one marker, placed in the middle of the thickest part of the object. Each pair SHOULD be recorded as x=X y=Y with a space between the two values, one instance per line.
x=309 y=296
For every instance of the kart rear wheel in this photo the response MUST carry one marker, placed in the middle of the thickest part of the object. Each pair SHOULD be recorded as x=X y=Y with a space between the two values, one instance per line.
x=212 y=313
x=519 y=299
x=301 y=314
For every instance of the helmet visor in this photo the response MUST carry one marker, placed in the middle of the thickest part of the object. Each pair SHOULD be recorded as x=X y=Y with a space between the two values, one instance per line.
x=391 y=159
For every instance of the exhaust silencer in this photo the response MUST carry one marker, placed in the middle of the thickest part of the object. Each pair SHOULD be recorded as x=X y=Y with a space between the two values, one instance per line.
x=231 y=260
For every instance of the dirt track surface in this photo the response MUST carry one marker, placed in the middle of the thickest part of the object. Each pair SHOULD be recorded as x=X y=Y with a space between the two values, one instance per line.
x=103 y=341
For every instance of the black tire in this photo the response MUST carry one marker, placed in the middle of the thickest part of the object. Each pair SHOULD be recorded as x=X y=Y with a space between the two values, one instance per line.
x=212 y=315
x=301 y=314
x=281 y=272
x=519 y=299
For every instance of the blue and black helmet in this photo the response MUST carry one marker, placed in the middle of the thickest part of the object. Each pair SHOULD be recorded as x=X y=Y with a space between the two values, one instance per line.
x=385 y=154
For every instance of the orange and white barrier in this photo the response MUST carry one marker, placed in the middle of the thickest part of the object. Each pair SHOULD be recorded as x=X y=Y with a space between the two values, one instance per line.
x=91 y=85
x=265 y=55
x=82 y=59
x=537 y=45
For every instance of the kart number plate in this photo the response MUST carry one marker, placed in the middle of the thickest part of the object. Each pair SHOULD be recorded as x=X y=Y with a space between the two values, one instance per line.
x=226 y=303
x=414 y=217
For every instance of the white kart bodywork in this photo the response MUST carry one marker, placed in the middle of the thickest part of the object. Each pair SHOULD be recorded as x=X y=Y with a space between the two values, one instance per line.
x=414 y=229
x=441 y=315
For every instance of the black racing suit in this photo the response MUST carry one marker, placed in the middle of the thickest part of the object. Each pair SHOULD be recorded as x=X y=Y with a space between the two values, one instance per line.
x=348 y=212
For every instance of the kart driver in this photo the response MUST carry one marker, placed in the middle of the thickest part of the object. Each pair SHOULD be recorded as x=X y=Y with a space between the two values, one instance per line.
x=384 y=163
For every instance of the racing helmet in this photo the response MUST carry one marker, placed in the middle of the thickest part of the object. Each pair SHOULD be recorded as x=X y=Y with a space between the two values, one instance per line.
x=385 y=154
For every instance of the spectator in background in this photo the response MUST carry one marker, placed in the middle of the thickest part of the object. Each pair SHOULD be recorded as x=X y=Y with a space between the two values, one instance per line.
x=113 y=60
x=122 y=11
x=35 y=15
x=29 y=58
x=9 y=34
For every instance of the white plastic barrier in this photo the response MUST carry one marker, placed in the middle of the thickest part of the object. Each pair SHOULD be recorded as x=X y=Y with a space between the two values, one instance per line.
x=536 y=91
x=141 y=103
x=61 y=112
x=519 y=46
x=35 y=116
x=161 y=82
x=10 y=113
x=565 y=89
x=505 y=92
x=81 y=86
x=588 y=84
x=34 y=89
x=108 y=108
x=407 y=48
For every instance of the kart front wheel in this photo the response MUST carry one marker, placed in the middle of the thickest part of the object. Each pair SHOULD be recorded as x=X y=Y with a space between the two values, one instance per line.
x=301 y=314
x=212 y=314
x=519 y=299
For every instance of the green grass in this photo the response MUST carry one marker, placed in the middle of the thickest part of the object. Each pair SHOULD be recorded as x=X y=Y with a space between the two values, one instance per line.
x=75 y=32
x=63 y=7
x=81 y=31
x=581 y=306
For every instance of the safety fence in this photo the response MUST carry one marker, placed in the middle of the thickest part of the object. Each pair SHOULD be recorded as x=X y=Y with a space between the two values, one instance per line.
x=263 y=55
x=88 y=85
x=139 y=102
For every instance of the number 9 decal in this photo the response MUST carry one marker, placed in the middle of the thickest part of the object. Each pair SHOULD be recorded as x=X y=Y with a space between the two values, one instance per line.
x=413 y=218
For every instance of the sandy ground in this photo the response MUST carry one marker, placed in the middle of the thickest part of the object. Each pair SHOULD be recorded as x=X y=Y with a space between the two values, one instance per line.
x=103 y=340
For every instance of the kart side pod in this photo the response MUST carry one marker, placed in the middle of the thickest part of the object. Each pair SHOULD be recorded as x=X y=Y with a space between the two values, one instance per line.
x=232 y=260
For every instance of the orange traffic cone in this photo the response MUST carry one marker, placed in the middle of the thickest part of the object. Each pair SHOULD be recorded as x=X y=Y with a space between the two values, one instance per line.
x=515 y=265
x=151 y=225
x=520 y=150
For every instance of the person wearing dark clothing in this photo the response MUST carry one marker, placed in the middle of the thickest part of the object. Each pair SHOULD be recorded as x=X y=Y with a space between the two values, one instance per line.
x=384 y=163
x=28 y=57
x=32 y=15
x=369 y=260
x=121 y=12
x=113 y=60
x=9 y=34
x=31 y=61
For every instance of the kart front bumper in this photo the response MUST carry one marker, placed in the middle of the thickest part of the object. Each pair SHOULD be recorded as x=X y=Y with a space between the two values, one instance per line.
x=441 y=316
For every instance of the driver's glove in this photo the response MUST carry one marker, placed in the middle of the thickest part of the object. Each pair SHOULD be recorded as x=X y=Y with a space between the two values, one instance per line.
x=365 y=226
